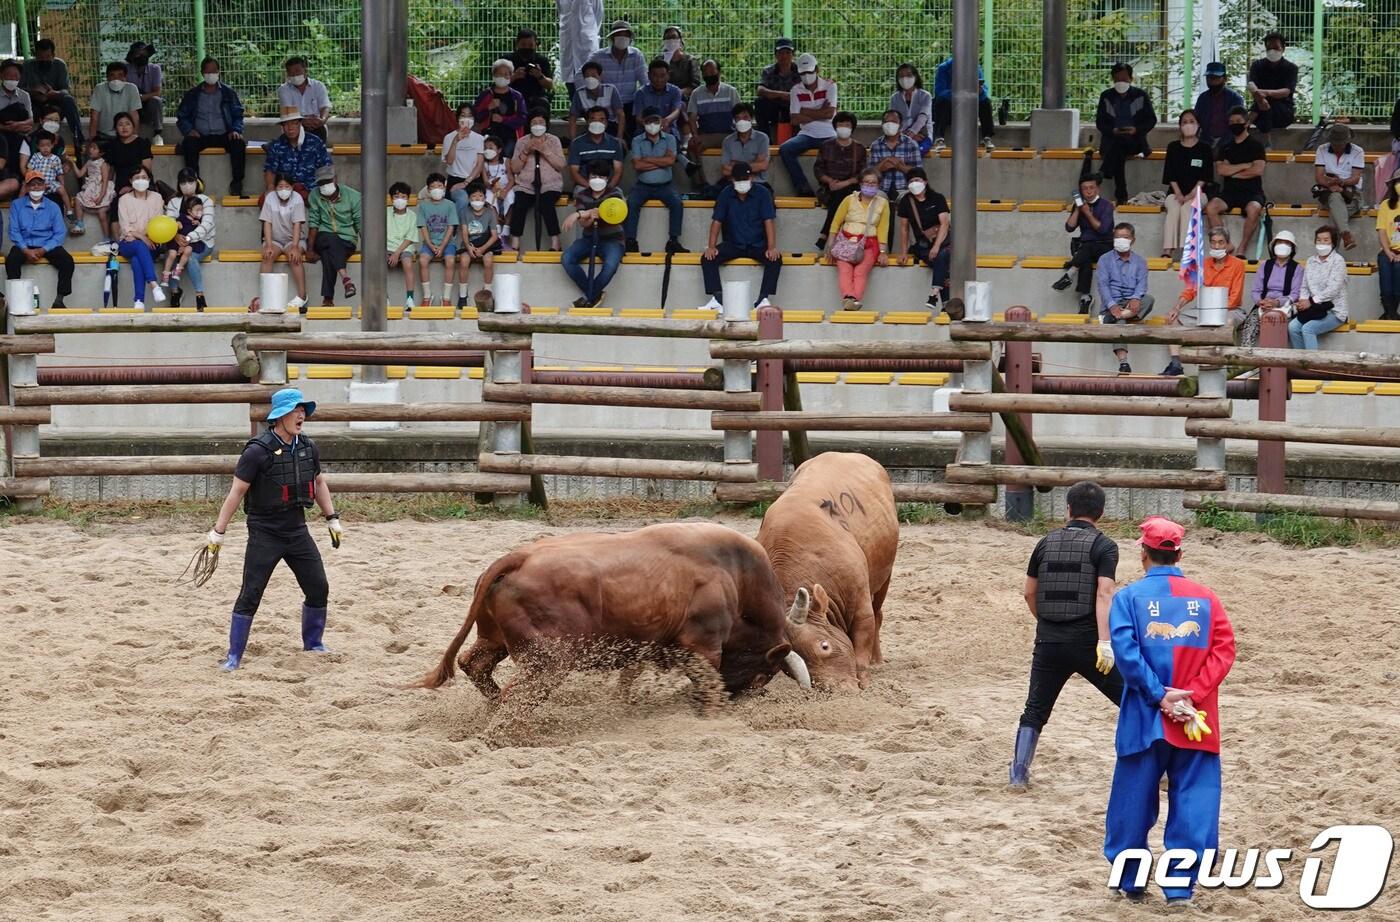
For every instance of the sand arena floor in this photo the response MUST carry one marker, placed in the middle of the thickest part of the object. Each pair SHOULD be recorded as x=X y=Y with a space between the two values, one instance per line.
x=139 y=783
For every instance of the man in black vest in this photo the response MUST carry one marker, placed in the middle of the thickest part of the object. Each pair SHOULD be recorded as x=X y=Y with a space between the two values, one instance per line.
x=1069 y=588
x=278 y=477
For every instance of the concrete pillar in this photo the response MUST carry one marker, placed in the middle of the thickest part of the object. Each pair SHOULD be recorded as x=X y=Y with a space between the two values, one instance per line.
x=965 y=96
x=507 y=368
x=738 y=379
x=374 y=168
x=1053 y=125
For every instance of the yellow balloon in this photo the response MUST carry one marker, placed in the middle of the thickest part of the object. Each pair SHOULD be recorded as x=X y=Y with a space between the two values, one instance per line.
x=613 y=210
x=162 y=229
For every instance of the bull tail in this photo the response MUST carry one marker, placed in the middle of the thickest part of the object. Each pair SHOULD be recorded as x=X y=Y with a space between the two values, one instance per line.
x=487 y=581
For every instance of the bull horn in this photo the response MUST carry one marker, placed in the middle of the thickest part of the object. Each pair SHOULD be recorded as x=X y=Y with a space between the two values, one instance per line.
x=800 y=606
x=796 y=667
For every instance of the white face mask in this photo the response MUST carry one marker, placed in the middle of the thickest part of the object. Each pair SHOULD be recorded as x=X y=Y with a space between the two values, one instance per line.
x=52 y=127
x=906 y=83
x=598 y=183
x=141 y=184
x=843 y=131
x=671 y=44
x=489 y=153
x=890 y=129
x=1324 y=249
x=298 y=80
x=400 y=203
x=1121 y=86
x=622 y=42
x=188 y=188
x=436 y=194
x=11 y=85
x=742 y=186
x=1122 y=244
x=743 y=126
x=211 y=79
x=809 y=78
x=466 y=122
x=1217 y=254
x=596 y=127
x=917 y=186
x=116 y=85
x=653 y=128
x=538 y=130
x=285 y=194
x=591 y=82
x=1093 y=199
x=1274 y=55
x=501 y=82
x=328 y=189
x=1189 y=129
x=1282 y=250
x=477 y=204
x=36 y=195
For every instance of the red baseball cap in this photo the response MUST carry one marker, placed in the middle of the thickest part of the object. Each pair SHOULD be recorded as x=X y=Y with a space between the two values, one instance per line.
x=1161 y=534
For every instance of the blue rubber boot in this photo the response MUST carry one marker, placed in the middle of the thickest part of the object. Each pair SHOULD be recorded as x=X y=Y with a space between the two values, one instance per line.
x=1026 y=738
x=313 y=624
x=237 y=640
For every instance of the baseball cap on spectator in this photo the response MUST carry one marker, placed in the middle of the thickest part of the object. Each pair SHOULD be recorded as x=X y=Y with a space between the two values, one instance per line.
x=33 y=175
x=1215 y=69
x=740 y=170
x=782 y=43
x=650 y=112
x=1161 y=534
x=806 y=62
x=325 y=173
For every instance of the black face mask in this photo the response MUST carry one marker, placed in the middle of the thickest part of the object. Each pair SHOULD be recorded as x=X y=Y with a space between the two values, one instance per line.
x=1238 y=128
x=525 y=52
x=712 y=80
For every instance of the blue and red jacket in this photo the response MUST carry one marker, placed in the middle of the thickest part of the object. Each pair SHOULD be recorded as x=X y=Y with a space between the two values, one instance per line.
x=1168 y=631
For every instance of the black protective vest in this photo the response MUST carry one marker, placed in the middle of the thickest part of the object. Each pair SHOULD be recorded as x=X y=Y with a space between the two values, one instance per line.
x=1067 y=583
x=1288 y=271
x=290 y=482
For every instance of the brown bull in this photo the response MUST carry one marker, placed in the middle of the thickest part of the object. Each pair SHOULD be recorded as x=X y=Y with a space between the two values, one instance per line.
x=649 y=594
x=835 y=532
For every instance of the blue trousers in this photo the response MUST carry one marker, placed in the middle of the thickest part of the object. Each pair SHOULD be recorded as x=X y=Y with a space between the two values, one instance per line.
x=577 y=254
x=195 y=272
x=793 y=148
x=666 y=194
x=1304 y=335
x=143 y=267
x=1193 y=806
x=1389 y=276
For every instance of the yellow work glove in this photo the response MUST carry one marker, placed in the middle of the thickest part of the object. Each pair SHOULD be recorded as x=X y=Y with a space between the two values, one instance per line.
x=1103 y=660
x=1195 y=726
x=337 y=531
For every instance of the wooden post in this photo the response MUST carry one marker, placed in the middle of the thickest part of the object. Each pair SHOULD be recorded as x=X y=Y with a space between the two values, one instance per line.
x=21 y=441
x=738 y=443
x=1020 y=500
x=507 y=367
x=770 y=386
x=792 y=402
x=527 y=435
x=1273 y=404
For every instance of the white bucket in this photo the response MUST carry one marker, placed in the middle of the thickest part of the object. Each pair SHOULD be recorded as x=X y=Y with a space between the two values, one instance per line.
x=19 y=296
x=1212 y=306
x=941 y=396
x=977 y=302
x=737 y=303
x=272 y=293
x=506 y=293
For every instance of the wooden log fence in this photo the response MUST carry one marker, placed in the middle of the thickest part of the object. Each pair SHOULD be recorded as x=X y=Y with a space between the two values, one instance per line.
x=1199 y=407
x=49 y=324
x=1107 y=334
x=1033 y=476
x=1301 y=360
x=948 y=493
x=1273 y=503
x=582 y=466
x=24 y=487
x=411 y=412
x=617 y=326
x=668 y=398
x=877 y=421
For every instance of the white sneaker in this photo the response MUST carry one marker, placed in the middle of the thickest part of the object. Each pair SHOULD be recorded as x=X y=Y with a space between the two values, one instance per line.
x=712 y=305
x=157 y=141
x=987 y=143
x=760 y=305
x=295 y=304
x=156 y=294
x=939 y=144
x=139 y=305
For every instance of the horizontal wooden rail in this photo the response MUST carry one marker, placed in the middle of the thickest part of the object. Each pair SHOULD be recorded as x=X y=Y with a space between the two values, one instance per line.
x=25 y=416
x=617 y=326
x=107 y=395
x=100 y=466
x=23 y=487
x=411 y=412
x=877 y=421
x=664 y=398
x=428 y=483
x=1091 y=333
x=618 y=467
x=1026 y=476
x=158 y=323
x=39 y=344
x=961 y=494
x=1214 y=407
x=416 y=342
x=836 y=349
x=1263 y=431
x=1304 y=360
x=1330 y=506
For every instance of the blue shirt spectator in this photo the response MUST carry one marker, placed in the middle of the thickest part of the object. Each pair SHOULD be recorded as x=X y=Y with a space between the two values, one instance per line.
x=1214 y=104
x=625 y=68
x=742 y=220
x=1103 y=213
x=37 y=226
x=298 y=159
x=1121 y=279
x=666 y=101
x=187 y=115
x=901 y=147
x=943 y=81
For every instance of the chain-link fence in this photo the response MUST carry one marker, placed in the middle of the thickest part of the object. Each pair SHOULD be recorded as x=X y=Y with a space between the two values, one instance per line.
x=859 y=43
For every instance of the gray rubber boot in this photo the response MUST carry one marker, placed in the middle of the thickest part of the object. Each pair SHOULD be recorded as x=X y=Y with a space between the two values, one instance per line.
x=1026 y=738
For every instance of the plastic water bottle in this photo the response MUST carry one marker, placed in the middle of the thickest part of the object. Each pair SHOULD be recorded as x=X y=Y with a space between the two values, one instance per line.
x=36 y=299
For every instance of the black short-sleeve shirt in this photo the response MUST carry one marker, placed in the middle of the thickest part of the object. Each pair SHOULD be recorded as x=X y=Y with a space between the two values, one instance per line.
x=1104 y=556
x=1237 y=152
x=124 y=158
x=929 y=210
x=255 y=462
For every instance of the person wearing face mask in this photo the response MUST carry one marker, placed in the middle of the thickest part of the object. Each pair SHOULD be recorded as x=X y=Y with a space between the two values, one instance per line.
x=461 y=152
x=893 y=155
x=1189 y=169
x=624 y=66
x=47 y=118
x=500 y=190
x=653 y=161
x=680 y=66
x=595 y=146
x=533 y=77
x=283 y=219
x=924 y=223
x=1219 y=270
x=579 y=23
x=599 y=243
x=1240 y=165
x=746 y=145
x=914 y=105
x=333 y=232
x=45 y=77
x=1388 y=258
x=480 y=242
x=401 y=240
x=812 y=107
x=37 y=231
x=135 y=209
x=593 y=93
x=211 y=115
x=711 y=116
x=1273 y=82
x=1213 y=106
x=187 y=185
x=773 y=105
x=437 y=227
x=1124 y=119
x=500 y=110
x=1338 y=168
x=1322 y=299
x=51 y=166
x=295 y=152
x=537 y=168
x=1092 y=215
x=305 y=95
x=745 y=215
x=1123 y=293
x=148 y=80
x=840 y=162
x=126 y=152
x=665 y=98
x=111 y=98
x=1276 y=285
x=861 y=239
x=12 y=96
x=943 y=105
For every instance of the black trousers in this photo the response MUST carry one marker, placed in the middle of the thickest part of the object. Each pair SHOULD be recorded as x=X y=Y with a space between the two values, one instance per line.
x=266 y=549
x=1051 y=666
x=58 y=258
x=237 y=148
x=335 y=253
x=520 y=211
x=943 y=117
x=1085 y=259
x=709 y=268
x=1116 y=152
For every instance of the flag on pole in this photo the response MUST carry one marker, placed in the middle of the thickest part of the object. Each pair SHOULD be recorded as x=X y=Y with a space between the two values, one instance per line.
x=1192 y=249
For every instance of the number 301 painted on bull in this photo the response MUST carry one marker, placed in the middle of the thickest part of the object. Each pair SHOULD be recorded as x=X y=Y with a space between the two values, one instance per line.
x=1358 y=872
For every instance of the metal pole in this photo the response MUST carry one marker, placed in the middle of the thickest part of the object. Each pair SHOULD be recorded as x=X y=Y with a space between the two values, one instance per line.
x=965 y=96
x=22 y=18
x=1188 y=57
x=398 y=52
x=198 y=30
x=988 y=8
x=1020 y=501
x=1317 y=74
x=787 y=18
x=374 y=166
x=1052 y=55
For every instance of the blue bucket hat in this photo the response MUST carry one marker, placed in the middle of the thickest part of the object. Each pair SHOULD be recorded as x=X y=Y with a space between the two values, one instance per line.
x=288 y=399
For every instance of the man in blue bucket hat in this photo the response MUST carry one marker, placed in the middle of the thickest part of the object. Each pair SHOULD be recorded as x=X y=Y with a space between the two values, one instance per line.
x=277 y=477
